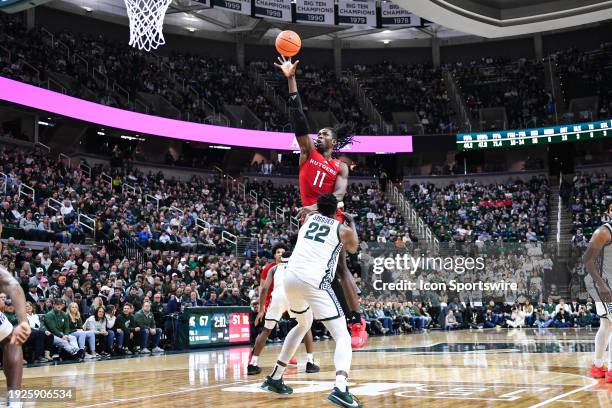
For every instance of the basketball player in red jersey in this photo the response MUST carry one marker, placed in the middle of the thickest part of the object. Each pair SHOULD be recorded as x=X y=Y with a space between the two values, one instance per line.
x=319 y=174
x=253 y=368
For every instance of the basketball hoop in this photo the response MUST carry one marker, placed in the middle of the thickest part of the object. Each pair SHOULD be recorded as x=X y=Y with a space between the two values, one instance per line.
x=147 y=22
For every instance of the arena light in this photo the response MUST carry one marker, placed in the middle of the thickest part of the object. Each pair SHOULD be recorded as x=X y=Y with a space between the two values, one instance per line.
x=101 y=134
x=40 y=122
x=220 y=147
x=126 y=137
x=386 y=41
x=87 y=9
x=190 y=29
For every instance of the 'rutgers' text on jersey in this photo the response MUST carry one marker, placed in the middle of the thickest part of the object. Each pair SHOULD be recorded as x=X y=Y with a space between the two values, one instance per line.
x=317 y=177
x=315 y=255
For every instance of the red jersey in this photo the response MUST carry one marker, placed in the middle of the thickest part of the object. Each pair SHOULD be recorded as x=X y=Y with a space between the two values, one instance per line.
x=317 y=177
x=264 y=275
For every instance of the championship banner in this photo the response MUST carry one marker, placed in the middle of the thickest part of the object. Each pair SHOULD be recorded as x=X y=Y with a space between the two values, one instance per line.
x=274 y=9
x=314 y=11
x=393 y=14
x=357 y=12
x=236 y=6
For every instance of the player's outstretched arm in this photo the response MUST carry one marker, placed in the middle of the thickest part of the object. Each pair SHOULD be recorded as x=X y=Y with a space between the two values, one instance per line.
x=11 y=287
x=601 y=237
x=263 y=293
x=341 y=184
x=348 y=235
x=296 y=110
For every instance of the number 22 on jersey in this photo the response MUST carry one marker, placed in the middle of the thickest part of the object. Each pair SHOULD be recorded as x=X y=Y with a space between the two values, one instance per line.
x=317 y=232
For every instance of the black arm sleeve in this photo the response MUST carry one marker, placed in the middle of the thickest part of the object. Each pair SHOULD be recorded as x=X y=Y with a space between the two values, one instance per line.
x=296 y=115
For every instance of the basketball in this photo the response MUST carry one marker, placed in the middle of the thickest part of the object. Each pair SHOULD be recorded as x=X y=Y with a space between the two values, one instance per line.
x=288 y=43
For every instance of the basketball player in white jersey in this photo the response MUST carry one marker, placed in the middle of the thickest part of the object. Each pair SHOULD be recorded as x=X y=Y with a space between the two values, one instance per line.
x=307 y=284
x=278 y=306
x=11 y=339
x=598 y=264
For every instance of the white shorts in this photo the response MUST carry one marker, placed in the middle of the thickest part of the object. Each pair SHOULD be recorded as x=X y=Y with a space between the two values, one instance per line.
x=6 y=328
x=302 y=296
x=601 y=308
x=277 y=307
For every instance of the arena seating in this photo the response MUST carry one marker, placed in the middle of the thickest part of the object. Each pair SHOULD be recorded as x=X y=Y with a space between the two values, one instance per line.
x=584 y=75
x=518 y=86
x=466 y=211
x=412 y=97
x=408 y=88
x=590 y=193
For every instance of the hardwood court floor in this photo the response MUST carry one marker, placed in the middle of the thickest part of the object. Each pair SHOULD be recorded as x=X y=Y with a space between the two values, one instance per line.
x=490 y=368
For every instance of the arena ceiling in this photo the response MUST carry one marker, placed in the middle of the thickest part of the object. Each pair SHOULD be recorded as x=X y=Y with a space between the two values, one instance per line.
x=502 y=18
x=453 y=21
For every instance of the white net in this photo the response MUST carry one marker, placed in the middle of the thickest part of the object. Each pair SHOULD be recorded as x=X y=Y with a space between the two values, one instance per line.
x=147 y=22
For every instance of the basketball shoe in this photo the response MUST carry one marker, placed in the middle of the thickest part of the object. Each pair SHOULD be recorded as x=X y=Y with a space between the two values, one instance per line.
x=599 y=372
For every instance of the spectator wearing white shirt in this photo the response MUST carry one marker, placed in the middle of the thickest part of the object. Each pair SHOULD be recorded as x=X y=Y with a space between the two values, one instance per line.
x=564 y=306
x=67 y=210
x=164 y=238
x=38 y=336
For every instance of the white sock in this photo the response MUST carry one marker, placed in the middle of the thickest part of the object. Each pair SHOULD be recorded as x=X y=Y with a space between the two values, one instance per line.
x=341 y=383
x=601 y=341
x=343 y=353
x=278 y=372
x=310 y=358
x=15 y=404
x=254 y=360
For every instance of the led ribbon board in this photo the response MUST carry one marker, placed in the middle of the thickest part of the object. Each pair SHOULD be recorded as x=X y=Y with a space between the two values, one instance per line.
x=537 y=136
x=106 y=116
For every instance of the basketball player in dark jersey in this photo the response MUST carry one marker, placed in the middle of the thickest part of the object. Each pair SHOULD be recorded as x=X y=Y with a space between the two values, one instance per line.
x=319 y=174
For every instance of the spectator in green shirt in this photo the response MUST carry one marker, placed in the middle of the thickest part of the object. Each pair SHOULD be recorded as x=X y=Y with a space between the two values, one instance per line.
x=126 y=328
x=146 y=322
x=57 y=322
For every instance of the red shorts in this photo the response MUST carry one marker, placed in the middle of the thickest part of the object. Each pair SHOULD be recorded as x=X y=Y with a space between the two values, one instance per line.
x=340 y=215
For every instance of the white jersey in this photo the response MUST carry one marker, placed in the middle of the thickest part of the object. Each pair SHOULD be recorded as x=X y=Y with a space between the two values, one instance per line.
x=604 y=269
x=605 y=261
x=279 y=278
x=315 y=255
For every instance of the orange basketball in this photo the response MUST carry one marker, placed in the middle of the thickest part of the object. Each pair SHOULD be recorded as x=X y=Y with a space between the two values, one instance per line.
x=288 y=43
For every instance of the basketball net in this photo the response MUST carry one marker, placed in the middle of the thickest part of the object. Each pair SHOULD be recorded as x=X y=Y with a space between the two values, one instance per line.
x=146 y=22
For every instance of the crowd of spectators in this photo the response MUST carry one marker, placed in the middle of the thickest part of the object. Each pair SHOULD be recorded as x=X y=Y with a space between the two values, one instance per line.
x=529 y=265
x=180 y=78
x=175 y=78
x=516 y=85
x=515 y=211
x=589 y=197
x=403 y=317
x=322 y=91
x=589 y=73
x=409 y=88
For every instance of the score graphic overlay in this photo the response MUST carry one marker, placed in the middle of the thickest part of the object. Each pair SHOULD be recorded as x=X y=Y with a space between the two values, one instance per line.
x=218 y=325
x=530 y=137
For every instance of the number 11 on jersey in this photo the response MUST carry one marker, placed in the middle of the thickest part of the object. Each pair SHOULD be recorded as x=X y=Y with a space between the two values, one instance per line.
x=322 y=174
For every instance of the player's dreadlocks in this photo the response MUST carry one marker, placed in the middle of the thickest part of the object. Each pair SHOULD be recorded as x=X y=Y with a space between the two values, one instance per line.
x=343 y=134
